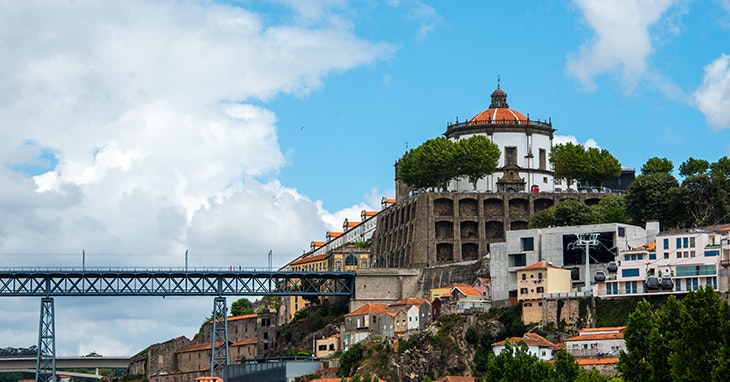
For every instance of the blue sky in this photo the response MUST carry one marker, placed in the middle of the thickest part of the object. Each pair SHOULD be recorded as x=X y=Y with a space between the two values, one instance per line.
x=136 y=130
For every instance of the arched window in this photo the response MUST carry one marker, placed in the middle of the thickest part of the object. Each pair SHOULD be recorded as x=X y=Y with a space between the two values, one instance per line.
x=351 y=261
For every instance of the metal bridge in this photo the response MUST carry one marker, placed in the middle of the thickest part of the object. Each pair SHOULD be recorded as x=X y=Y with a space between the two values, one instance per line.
x=28 y=364
x=217 y=282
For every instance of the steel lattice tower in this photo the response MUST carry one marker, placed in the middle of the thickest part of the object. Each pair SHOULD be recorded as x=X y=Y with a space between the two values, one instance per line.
x=46 y=359
x=219 y=338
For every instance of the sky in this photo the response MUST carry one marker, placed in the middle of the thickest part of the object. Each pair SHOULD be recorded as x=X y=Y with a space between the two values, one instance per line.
x=132 y=131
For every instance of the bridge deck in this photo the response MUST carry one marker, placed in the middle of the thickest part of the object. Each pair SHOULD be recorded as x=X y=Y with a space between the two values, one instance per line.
x=50 y=282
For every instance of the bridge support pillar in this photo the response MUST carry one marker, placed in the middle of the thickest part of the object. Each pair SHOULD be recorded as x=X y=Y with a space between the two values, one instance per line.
x=46 y=358
x=219 y=338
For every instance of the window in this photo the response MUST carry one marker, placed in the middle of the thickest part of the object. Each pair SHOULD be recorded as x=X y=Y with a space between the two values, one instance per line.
x=524 y=276
x=539 y=275
x=528 y=244
x=666 y=243
x=652 y=256
x=621 y=231
x=540 y=290
x=686 y=242
x=518 y=260
x=543 y=159
x=364 y=262
x=679 y=242
x=630 y=272
x=510 y=156
x=338 y=265
x=523 y=290
x=691 y=242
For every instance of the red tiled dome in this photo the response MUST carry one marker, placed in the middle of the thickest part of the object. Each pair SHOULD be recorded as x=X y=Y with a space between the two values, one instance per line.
x=498 y=114
x=499 y=111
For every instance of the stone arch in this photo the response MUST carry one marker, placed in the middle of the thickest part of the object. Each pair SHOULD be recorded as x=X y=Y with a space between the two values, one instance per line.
x=468 y=207
x=493 y=207
x=519 y=208
x=443 y=207
x=494 y=229
x=542 y=204
x=469 y=251
x=444 y=230
x=444 y=252
x=469 y=230
x=592 y=201
x=517 y=225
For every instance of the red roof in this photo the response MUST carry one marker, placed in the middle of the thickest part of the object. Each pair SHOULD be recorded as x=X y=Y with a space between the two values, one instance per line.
x=599 y=334
x=499 y=114
x=370 y=308
x=309 y=259
x=246 y=341
x=467 y=290
x=411 y=301
x=531 y=339
x=544 y=264
x=596 y=361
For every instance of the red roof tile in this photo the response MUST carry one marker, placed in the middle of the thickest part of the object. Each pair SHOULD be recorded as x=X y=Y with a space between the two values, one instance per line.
x=246 y=341
x=370 y=308
x=596 y=361
x=544 y=264
x=309 y=259
x=531 y=339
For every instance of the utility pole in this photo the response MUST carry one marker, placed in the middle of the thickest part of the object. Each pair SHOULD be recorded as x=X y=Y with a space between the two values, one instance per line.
x=587 y=240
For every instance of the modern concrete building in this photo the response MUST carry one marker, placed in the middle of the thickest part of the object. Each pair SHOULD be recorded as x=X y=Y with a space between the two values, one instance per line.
x=560 y=246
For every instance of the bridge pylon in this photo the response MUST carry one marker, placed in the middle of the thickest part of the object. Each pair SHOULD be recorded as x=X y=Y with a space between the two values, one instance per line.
x=46 y=357
x=219 y=338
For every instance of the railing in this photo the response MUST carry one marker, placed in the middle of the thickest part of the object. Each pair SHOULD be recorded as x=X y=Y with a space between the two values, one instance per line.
x=453 y=126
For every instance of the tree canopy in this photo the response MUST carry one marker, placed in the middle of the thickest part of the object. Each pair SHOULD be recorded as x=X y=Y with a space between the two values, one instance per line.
x=477 y=157
x=685 y=340
x=242 y=307
x=439 y=160
x=657 y=165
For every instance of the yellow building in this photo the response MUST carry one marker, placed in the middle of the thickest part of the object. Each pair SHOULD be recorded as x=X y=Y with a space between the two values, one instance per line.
x=535 y=280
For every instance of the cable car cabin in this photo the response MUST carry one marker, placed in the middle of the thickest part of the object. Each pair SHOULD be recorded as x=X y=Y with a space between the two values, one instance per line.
x=652 y=283
x=612 y=267
x=667 y=283
x=599 y=277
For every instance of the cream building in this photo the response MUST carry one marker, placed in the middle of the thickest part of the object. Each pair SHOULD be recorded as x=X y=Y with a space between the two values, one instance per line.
x=535 y=280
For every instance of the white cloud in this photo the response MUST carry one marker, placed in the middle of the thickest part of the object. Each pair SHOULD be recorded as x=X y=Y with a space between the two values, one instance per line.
x=148 y=109
x=713 y=96
x=622 y=42
x=563 y=139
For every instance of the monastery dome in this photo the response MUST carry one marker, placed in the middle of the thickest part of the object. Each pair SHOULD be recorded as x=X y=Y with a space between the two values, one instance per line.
x=499 y=111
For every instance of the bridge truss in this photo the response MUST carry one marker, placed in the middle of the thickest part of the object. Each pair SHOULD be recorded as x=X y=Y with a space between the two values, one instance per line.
x=48 y=283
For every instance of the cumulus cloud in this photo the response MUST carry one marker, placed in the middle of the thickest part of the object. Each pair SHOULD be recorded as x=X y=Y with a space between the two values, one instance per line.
x=713 y=96
x=562 y=139
x=151 y=113
x=622 y=42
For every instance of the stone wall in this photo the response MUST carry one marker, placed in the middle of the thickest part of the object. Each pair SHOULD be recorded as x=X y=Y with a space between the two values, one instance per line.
x=384 y=286
x=158 y=357
x=429 y=229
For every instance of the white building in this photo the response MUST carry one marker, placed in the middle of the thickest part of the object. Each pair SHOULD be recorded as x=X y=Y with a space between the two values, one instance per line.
x=557 y=245
x=675 y=263
x=525 y=147
x=536 y=345
x=597 y=343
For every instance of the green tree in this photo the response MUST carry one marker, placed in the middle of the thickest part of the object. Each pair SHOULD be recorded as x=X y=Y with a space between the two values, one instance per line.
x=692 y=167
x=350 y=360
x=543 y=219
x=241 y=307
x=572 y=212
x=601 y=166
x=685 y=340
x=477 y=157
x=570 y=162
x=633 y=363
x=657 y=165
x=611 y=209
x=648 y=197
x=432 y=164
x=515 y=363
x=566 y=369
